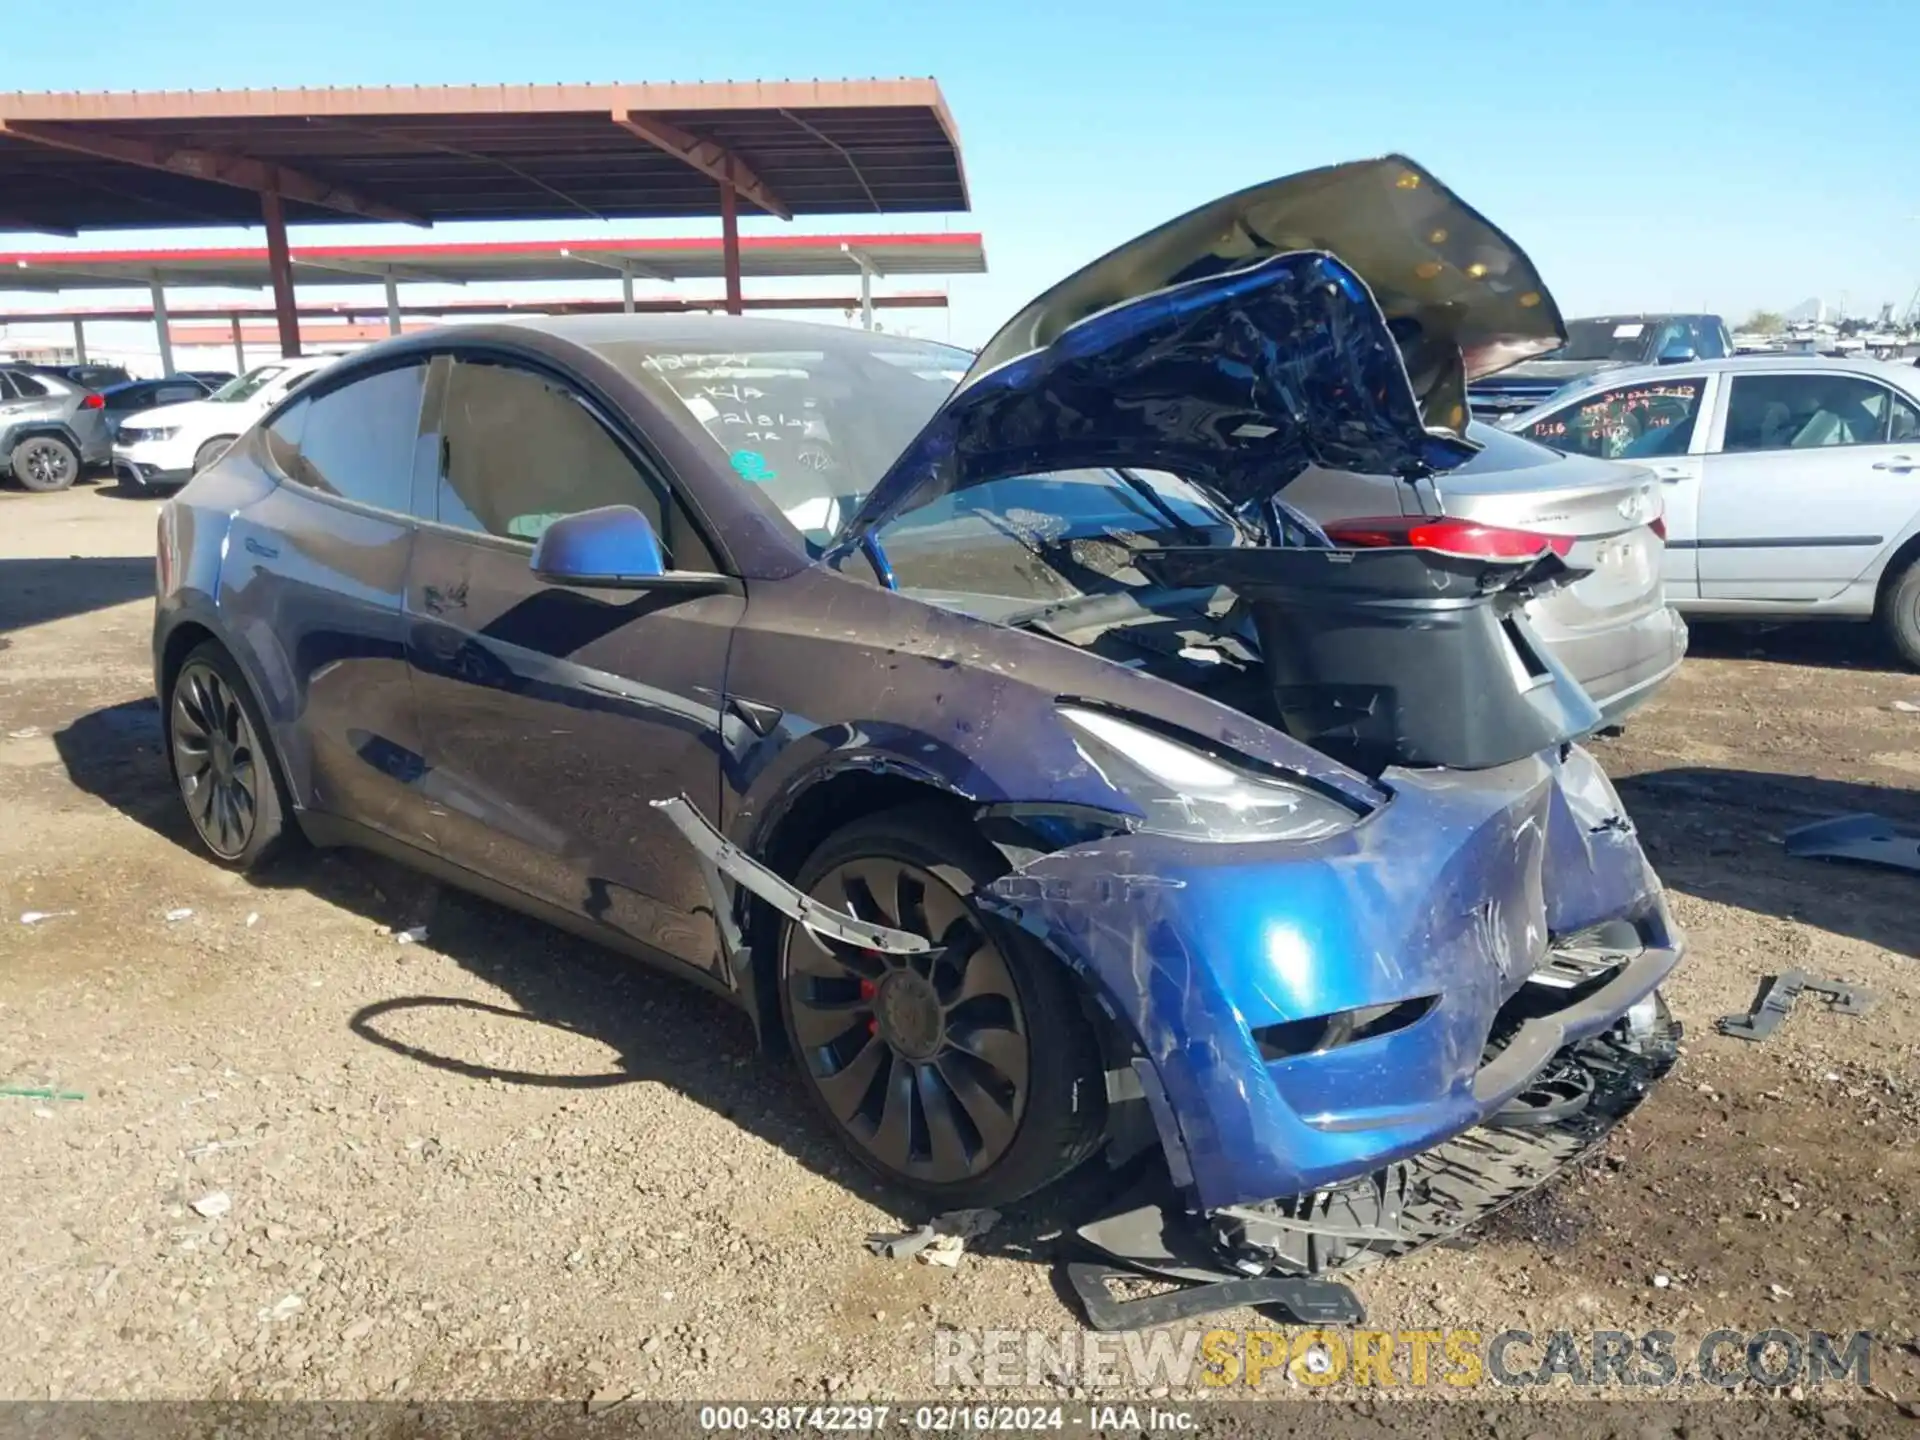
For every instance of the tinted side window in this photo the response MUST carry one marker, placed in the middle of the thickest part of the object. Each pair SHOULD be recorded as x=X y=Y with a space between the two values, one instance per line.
x=359 y=441
x=1906 y=421
x=1804 y=412
x=518 y=451
x=1631 y=422
x=282 y=439
x=30 y=387
x=170 y=394
x=6 y=386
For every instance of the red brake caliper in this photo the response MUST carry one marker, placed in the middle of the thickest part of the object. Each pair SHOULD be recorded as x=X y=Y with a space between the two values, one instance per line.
x=867 y=991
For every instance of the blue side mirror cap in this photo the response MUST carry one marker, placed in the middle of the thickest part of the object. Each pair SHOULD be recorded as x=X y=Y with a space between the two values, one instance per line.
x=1677 y=355
x=611 y=548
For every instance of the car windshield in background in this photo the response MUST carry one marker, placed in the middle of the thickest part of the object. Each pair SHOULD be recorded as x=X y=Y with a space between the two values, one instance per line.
x=815 y=428
x=1621 y=341
x=248 y=384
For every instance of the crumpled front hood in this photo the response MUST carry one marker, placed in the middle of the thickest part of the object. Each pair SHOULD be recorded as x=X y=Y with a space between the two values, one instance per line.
x=1331 y=318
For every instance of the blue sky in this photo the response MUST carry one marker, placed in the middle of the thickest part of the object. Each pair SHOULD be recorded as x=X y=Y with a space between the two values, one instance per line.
x=1724 y=154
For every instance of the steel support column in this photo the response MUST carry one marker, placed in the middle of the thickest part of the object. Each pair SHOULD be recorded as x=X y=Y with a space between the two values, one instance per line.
x=393 y=304
x=626 y=289
x=866 y=298
x=730 y=245
x=239 y=349
x=79 y=340
x=160 y=326
x=280 y=267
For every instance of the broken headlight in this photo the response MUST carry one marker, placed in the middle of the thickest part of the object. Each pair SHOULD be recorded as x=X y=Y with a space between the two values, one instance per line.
x=1196 y=796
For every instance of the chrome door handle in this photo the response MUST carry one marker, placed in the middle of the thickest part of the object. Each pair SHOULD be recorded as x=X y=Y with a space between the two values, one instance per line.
x=1899 y=464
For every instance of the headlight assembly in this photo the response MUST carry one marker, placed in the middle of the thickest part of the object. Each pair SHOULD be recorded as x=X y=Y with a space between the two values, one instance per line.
x=1197 y=796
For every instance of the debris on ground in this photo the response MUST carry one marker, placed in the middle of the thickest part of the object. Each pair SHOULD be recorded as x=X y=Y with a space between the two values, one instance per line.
x=1864 y=839
x=213 y=1205
x=941 y=1241
x=175 y=916
x=24 y=734
x=38 y=1092
x=285 y=1308
x=1776 y=996
x=34 y=917
x=412 y=935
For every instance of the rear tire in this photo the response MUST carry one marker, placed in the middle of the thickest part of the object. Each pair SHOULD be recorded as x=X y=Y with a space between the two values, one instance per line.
x=970 y=1079
x=44 y=463
x=222 y=764
x=208 y=453
x=1900 y=614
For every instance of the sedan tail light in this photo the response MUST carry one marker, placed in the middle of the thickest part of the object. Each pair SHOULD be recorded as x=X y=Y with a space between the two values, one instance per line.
x=94 y=400
x=1446 y=535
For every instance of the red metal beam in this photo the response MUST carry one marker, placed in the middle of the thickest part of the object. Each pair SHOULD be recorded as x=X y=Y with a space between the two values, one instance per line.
x=913 y=300
x=240 y=171
x=707 y=156
x=730 y=246
x=280 y=267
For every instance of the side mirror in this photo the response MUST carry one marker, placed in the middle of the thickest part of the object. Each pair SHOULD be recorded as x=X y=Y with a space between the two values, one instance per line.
x=1677 y=354
x=612 y=548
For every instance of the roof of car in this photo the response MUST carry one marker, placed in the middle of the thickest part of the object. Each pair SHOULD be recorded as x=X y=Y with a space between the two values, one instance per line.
x=1894 y=372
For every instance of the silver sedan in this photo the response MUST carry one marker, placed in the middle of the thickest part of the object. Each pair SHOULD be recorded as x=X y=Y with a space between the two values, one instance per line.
x=1791 y=483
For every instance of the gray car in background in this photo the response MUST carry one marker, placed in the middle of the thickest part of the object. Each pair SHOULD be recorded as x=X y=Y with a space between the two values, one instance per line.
x=1612 y=629
x=1791 y=482
x=50 y=427
x=1594 y=345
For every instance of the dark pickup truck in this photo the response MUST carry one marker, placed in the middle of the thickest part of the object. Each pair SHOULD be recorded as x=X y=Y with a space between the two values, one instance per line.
x=1602 y=342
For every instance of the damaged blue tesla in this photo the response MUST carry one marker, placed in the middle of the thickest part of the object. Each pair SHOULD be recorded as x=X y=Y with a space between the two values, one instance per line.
x=988 y=727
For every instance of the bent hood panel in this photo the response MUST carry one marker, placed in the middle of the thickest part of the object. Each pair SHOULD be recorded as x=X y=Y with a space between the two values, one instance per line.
x=1463 y=299
x=1240 y=380
x=1418 y=294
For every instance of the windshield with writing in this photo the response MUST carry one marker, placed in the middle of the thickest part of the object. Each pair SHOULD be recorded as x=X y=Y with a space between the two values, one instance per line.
x=815 y=428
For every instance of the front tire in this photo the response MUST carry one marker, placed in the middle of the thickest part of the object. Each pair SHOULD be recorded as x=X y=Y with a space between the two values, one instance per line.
x=969 y=1075
x=1900 y=614
x=222 y=766
x=44 y=463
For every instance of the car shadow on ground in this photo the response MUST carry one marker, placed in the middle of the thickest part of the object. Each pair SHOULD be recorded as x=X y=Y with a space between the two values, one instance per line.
x=663 y=1029
x=1717 y=833
x=1834 y=645
x=33 y=592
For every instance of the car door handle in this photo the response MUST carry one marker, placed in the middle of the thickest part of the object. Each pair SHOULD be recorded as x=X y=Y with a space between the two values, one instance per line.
x=1672 y=474
x=1899 y=464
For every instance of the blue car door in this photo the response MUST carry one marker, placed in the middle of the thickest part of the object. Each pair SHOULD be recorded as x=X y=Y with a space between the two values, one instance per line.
x=555 y=715
x=310 y=588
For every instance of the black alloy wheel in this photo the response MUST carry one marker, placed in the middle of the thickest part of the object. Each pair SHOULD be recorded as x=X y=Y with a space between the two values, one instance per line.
x=928 y=1063
x=216 y=759
x=43 y=463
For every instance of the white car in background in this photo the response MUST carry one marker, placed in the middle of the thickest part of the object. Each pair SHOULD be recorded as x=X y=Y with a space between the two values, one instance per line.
x=1791 y=482
x=165 y=448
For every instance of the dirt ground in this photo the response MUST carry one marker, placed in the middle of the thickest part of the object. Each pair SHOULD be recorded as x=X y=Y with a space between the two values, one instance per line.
x=500 y=1162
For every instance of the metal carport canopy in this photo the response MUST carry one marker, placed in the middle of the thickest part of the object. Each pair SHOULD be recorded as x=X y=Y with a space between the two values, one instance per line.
x=504 y=261
x=71 y=162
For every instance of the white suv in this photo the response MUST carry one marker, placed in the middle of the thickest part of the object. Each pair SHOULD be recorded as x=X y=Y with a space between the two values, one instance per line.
x=169 y=446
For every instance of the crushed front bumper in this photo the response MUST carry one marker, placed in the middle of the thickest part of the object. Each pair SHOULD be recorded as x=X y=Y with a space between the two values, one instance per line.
x=1398 y=1209
x=1451 y=905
